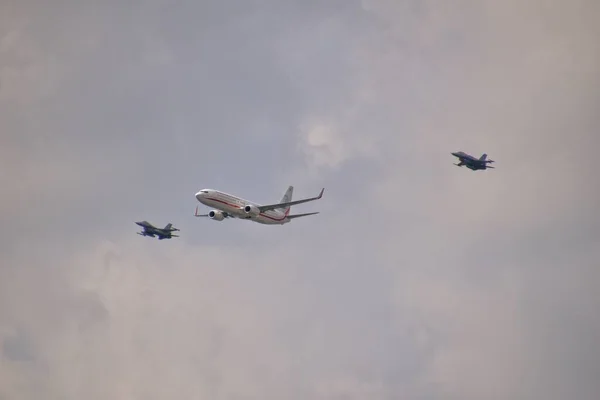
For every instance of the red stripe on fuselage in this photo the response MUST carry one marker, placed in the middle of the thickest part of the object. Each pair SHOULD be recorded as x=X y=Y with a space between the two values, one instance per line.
x=261 y=214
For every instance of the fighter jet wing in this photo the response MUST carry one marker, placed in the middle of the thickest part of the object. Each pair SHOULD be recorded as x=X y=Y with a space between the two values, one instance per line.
x=289 y=204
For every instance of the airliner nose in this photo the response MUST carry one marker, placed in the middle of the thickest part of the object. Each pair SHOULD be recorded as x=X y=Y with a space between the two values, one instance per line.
x=199 y=195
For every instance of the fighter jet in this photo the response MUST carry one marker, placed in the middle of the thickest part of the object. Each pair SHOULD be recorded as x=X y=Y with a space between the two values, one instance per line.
x=151 y=230
x=472 y=162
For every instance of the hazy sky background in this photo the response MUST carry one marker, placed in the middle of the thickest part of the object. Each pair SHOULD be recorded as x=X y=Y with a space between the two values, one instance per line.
x=418 y=280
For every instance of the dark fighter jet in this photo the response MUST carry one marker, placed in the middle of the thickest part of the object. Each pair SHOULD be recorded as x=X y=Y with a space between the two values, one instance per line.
x=471 y=162
x=161 y=233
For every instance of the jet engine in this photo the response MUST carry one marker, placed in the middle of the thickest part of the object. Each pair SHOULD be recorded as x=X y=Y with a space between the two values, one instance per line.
x=216 y=215
x=252 y=210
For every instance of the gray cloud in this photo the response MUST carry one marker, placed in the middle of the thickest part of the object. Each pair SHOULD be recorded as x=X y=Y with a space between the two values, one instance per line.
x=417 y=280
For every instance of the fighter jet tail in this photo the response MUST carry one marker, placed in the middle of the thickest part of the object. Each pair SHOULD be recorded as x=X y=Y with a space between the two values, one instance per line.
x=169 y=227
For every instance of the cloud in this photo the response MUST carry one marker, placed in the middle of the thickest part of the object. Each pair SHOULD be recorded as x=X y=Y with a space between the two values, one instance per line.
x=229 y=326
x=330 y=143
x=324 y=144
x=417 y=279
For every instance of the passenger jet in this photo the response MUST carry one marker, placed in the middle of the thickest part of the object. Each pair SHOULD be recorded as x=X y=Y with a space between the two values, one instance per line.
x=228 y=206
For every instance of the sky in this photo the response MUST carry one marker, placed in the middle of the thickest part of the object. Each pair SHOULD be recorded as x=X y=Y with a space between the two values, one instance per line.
x=417 y=280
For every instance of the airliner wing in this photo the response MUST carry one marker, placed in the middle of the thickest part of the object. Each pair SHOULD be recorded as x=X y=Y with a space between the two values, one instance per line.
x=226 y=215
x=199 y=215
x=301 y=215
x=289 y=204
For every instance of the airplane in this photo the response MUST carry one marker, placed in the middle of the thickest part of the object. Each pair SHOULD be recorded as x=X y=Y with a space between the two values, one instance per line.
x=472 y=162
x=151 y=230
x=228 y=206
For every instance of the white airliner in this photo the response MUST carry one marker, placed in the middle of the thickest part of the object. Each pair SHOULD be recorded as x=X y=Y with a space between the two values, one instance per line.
x=228 y=206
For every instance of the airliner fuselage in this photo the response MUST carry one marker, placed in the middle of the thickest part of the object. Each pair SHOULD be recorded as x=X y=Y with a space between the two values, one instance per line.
x=226 y=205
x=234 y=206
